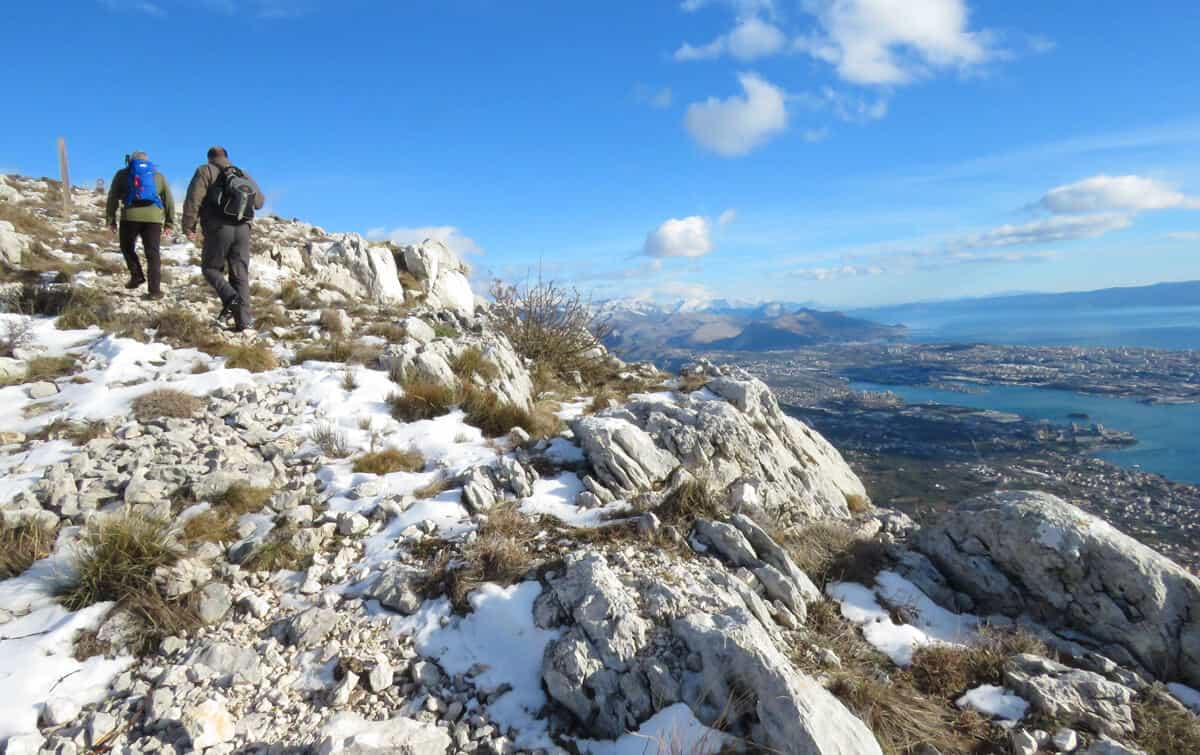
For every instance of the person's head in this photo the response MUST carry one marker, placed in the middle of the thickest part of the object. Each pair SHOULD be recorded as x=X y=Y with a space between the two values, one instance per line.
x=139 y=155
x=216 y=153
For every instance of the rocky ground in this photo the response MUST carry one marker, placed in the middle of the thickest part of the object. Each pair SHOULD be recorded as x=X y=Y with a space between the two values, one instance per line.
x=376 y=524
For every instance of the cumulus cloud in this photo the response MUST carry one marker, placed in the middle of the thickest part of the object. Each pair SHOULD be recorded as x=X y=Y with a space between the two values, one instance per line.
x=751 y=39
x=679 y=237
x=743 y=8
x=1115 y=194
x=447 y=234
x=727 y=217
x=737 y=125
x=892 y=42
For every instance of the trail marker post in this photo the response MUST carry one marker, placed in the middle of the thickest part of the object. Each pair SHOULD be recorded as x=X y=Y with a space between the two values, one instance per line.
x=65 y=175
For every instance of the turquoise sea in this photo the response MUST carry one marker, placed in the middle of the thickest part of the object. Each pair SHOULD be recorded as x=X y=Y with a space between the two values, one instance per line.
x=1168 y=442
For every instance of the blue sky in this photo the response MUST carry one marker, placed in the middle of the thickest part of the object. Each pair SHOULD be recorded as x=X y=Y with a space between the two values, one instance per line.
x=843 y=152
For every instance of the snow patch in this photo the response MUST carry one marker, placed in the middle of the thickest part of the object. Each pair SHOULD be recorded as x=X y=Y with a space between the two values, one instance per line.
x=672 y=729
x=994 y=701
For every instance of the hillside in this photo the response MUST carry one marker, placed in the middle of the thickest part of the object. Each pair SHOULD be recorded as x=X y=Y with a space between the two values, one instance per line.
x=376 y=524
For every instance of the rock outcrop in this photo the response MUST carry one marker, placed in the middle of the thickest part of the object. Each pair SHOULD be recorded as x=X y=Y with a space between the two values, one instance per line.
x=1031 y=553
x=644 y=632
x=733 y=435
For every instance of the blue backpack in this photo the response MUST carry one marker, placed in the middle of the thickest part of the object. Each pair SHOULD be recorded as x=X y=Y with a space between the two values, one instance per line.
x=142 y=189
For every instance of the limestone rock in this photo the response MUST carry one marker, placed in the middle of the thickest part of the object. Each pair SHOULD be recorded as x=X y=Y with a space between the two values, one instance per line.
x=310 y=627
x=623 y=455
x=1029 y=552
x=350 y=733
x=1071 y=696
x=208 y=724
x=12 y=244
x=442 y=276
x=796 y=714
x=350 y=264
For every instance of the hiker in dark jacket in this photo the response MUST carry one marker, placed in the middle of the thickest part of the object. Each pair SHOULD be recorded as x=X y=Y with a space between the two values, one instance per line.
x=226 y=230
x=147 y=207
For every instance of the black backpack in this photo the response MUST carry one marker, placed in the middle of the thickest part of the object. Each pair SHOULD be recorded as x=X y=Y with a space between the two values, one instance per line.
x=231 y=197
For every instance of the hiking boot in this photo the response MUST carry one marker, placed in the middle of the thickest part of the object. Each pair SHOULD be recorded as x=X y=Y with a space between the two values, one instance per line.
x=153 y=296
x=135 y=282
x=240 y=324
x=230 y=307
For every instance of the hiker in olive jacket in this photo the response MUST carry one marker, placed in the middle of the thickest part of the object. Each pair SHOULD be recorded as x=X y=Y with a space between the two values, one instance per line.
x=226 y=239
x=144 y=214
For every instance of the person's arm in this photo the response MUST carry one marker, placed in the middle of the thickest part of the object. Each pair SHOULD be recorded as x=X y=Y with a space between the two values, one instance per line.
x=114 y=197
x=195 y=197
x=164 y=193
x=259 y=198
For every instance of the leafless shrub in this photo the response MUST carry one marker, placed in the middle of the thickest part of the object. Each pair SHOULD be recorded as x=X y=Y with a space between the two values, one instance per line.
x=332 y=441
x=548 y=324
x=15 y=334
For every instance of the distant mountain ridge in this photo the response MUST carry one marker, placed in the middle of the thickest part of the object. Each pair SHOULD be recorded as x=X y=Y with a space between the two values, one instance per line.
x=1174 y=294
x=643 y=329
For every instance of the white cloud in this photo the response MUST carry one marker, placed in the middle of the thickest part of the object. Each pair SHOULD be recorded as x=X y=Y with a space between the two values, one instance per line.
x=675 y=290
x=833 y=273
x=727 y=217
x=1115 y=194
x=751 y=39
x=447 y=234
x=737 y=125
x=1045 y=230
x=743 y=8
x=891 y=42
x=135 y=6
x=679 y=237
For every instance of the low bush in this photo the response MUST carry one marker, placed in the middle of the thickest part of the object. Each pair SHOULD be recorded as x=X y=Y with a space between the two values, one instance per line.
x=331 y=322
x=166 y=402
x=390 y=460
x=14 y=334
x=291 y=296
x=950 y=670
x=548 y=324
x=210 y=526
x=21 y=546
x=78 y=433
x=278 y=552
x=338 y=349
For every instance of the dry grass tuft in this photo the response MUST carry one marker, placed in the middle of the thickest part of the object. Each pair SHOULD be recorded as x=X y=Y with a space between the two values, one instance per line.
x=166 y=402
x=291 y=296
x=278 y=553
x=694 y=499
x=495 y=417
x=243 y=498
x=899 y=716
x=331 y=322
x=832 y=552
x=948 y=672
x=332 y=441
x=255 y=357
x=499 y=554
x=116 y=561
x=1163 y=727
x=338 y=349
x=471 y=362
x=85 y=307
x=210 y=526
x=49 y=368
x=21 y=546
x=435 y=488
x=78 y=433
x=422 y=399
x=180 y=326
x=27 y=222
x=388 y=331
x=390 y=460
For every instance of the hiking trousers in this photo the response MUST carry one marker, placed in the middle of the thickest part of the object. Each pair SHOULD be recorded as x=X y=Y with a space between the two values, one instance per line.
x=151 y=235
x=227 y=246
